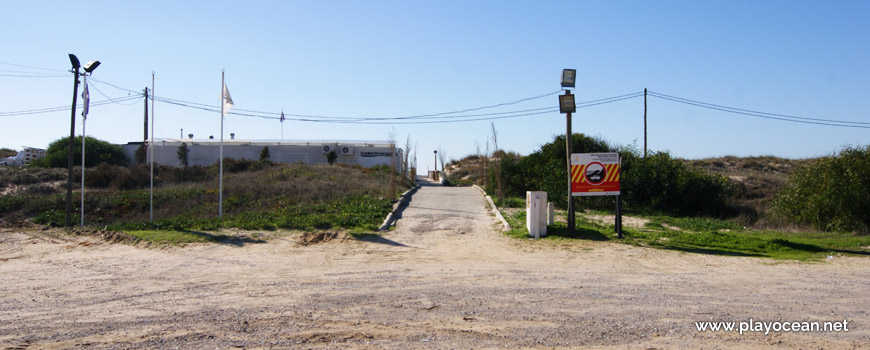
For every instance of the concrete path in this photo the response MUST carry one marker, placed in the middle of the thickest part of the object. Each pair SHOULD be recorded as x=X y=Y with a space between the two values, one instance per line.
x=446 y=222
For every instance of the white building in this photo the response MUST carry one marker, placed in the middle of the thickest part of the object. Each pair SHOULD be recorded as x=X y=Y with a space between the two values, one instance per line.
x=206 y=152
x=24 y=157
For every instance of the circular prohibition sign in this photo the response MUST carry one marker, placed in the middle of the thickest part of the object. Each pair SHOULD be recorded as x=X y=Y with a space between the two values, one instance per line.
x=595 y=173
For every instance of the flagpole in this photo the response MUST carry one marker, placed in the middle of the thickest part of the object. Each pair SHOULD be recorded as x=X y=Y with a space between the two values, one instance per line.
x=87 y=97
x=151 y=150
x=221 y=152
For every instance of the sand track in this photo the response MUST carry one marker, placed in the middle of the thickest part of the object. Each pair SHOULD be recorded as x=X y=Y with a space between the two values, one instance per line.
x=442 y=279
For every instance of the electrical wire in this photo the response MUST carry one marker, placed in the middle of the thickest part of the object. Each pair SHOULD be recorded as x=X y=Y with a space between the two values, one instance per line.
x=773 y=116
x=32 y=67
x=109 y=98
x=57 y=109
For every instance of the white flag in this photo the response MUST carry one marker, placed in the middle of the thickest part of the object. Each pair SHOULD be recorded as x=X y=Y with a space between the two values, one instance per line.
x=87 y=97
x=228 y=101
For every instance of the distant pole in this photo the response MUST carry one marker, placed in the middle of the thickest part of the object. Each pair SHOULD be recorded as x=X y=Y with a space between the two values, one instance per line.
x=84 y=134
x=644 y=122
x=221 y=154
x=145 y=135
x=618 y=223
x=568 y=142
x=151 y=151
x=72 y=131
x=435 y=174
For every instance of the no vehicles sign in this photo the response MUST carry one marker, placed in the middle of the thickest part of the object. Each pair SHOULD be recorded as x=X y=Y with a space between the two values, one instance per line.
x=595 y=174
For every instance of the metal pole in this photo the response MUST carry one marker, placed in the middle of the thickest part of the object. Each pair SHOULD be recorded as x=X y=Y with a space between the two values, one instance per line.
x=221 y=154
x=568 y=142
x=151 y=150
x=644 y=122
x=84 y=119
x=618 y=223
x=72 y=131
x=435 y=174
x=145 y=136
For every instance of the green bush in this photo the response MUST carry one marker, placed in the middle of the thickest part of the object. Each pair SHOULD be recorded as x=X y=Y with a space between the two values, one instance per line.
x=663 y=184
x=96 y=152
x=830 y=194
x=657 y=183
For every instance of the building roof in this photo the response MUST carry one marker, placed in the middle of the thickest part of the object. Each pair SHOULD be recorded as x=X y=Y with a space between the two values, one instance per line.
x=356 y=143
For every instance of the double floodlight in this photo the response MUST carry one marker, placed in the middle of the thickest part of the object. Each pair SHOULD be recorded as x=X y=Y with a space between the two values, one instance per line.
x=566 y=104
x=89 y=67
x=569 y=76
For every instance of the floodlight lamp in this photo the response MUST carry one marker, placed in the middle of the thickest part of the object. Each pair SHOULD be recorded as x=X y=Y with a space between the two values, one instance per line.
x=566 y=104
x=90 y=66
x=569 y=76
x=75 y=61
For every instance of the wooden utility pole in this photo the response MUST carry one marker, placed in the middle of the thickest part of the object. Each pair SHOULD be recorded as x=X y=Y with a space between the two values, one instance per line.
x=145 y=137
x=644 y=122
x=568 y=151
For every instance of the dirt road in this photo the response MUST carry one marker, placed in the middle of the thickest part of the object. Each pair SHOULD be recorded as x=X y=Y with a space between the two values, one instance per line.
x=443 y=279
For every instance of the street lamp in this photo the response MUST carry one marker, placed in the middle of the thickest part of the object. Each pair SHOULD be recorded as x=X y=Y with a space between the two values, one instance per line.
x=435 y=174
x=567 y=106
x=89 y=68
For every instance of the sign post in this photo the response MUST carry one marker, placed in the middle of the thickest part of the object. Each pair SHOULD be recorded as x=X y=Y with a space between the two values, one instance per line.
x=597 y=174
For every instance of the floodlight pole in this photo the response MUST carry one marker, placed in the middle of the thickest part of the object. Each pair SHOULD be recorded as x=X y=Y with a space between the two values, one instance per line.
x=435 y=174
x=72 y=131
x=568 y=142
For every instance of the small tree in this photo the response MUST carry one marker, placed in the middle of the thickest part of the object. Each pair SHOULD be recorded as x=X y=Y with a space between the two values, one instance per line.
x=393 y=160
x=499 y=189
x=141 y=154
x=264 y=154
x=331 y=157
x=182 y=154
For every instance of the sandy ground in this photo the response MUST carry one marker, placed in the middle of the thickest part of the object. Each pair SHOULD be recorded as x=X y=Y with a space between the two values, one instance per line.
x=443 y=279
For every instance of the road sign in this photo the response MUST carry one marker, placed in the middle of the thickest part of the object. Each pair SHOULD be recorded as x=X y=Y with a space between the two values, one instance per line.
x=595 y=174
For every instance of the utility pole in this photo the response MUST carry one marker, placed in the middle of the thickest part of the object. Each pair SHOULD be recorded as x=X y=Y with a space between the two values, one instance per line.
x=145 y=137
x=72 y=131
x=644 y=122
x=568 y=151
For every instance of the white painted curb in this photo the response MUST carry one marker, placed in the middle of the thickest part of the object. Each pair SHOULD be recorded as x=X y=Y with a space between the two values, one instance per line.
x=495 y=210
x=403 y=201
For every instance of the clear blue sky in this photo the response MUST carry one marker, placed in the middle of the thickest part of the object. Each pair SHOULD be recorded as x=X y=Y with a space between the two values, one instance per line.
x=400 y=58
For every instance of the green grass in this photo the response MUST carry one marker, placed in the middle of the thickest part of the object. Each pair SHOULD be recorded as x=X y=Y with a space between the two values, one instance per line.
x=175 y=237
x=710 y=236
x=354 y=212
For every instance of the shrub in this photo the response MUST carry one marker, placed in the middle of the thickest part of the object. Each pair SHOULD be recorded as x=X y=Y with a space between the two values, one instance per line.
x=657 y=183
x=830 y=194
x=96 y=152
x=182 y=153
x=102 y=176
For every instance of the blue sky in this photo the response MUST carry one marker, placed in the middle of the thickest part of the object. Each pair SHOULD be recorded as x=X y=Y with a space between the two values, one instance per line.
x=402 y=58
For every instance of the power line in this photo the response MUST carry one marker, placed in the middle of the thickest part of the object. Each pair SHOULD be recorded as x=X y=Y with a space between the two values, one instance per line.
x=65 y=108
x=120 y=103
x=32 y=67
x=765 y=115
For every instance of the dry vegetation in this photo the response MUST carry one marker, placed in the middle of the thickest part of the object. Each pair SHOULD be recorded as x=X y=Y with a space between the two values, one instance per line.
x=757 y=180
x=257 y=195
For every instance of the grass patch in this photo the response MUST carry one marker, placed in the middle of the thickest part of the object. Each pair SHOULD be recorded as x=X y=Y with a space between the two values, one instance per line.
x=175 y=237
x=709 y=236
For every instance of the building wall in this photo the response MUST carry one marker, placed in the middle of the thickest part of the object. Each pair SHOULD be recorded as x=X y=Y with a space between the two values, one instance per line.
x=24 y=157
x=206 y=152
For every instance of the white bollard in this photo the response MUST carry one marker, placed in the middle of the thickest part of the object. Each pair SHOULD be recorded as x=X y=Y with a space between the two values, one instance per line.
x=551 y=213
x=536 y=213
